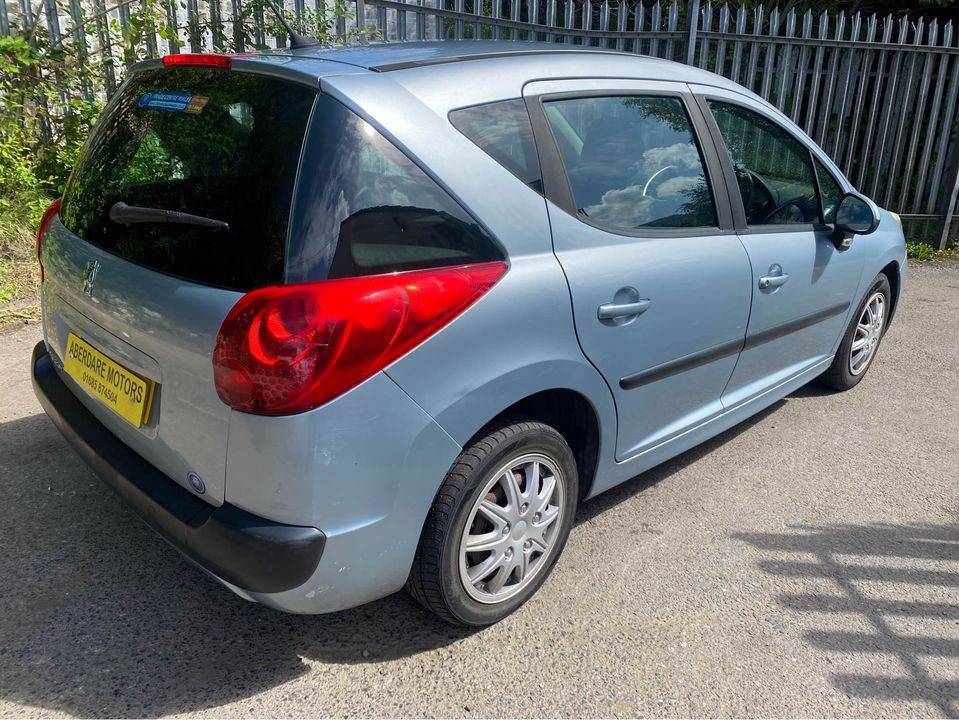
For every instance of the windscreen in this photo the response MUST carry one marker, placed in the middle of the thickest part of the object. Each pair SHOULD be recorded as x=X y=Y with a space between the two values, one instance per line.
x=218 y=148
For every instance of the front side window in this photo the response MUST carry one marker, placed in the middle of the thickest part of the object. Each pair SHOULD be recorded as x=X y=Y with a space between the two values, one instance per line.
x=503 y=131
x=632 y=161
x=830 y=191
x=365 y=208
x=773 y=169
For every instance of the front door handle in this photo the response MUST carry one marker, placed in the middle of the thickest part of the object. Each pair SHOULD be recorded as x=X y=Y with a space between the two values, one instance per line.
x=776 y=278
x=613 y=311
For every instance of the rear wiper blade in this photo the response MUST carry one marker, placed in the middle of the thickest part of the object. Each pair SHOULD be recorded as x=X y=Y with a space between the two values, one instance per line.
x=124 y=214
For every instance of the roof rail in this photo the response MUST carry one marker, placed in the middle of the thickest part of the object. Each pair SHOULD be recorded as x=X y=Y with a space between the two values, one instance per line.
x=389 y=67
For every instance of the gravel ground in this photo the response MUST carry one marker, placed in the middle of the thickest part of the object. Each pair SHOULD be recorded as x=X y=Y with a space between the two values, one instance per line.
x=805 y=563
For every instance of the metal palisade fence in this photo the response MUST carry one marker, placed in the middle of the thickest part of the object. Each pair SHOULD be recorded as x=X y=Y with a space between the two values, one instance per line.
x=879 y=94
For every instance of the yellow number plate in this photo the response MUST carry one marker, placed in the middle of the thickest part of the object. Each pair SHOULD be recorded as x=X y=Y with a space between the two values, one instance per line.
x=124 y=392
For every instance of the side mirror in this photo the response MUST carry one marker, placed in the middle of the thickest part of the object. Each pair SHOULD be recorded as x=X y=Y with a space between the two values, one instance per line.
x=855 y=215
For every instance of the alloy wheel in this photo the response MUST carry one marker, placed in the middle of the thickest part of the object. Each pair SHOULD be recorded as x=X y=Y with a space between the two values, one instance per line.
x=868 y=333
x=511 y=528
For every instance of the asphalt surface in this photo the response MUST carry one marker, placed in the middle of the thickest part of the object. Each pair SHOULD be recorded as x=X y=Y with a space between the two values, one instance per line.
x=805 y=563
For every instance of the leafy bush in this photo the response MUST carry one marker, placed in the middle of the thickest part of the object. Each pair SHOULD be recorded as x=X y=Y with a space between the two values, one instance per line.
x=920 y=251
x=19 y=271
x=41 y=128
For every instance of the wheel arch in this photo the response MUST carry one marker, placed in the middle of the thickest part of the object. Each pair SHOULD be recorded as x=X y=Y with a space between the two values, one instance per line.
x=571 y=414
x=892 y=271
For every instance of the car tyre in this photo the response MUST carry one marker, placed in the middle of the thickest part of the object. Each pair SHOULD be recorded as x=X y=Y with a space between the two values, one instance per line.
x=845 y=373
x=529 y=453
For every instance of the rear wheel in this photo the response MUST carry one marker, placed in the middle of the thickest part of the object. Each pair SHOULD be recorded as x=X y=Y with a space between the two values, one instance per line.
x=497 y=525
x=861 y=341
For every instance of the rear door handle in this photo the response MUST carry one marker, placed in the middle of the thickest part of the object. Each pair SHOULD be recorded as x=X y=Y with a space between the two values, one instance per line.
x=776 y=278
x=612 y=311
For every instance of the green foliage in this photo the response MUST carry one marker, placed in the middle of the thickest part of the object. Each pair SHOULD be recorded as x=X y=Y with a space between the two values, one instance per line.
x=922 y=251
x=21 y=196
x=44 y=121
x=18 y=267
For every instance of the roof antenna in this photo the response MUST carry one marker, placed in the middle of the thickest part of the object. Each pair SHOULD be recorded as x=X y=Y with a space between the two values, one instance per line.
x=297 y=41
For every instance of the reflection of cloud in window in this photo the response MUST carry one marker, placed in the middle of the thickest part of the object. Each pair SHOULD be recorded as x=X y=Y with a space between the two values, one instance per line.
x=678 y=187
x=629 y=207
x=623 y=208
x=682 y=155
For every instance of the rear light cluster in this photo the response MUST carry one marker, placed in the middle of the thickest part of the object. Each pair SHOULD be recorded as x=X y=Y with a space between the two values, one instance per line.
x=48 y=215
x=289 y=348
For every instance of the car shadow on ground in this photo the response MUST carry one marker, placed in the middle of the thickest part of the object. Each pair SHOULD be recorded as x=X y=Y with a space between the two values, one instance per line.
x=881 y=590
x=99 y=617
x=623 y=492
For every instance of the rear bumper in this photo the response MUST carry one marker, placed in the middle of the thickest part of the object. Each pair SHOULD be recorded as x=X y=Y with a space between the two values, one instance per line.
x=242 y=549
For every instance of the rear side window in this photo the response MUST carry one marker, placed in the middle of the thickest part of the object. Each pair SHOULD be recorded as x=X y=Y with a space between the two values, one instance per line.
x=632 y=161
x=503 y=131
x=365 y=208
x=219 y=145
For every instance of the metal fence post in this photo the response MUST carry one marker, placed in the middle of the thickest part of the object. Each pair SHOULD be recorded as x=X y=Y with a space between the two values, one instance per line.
x=951 y=205
x=361 y=20
x=692 y=19
x=193 y=26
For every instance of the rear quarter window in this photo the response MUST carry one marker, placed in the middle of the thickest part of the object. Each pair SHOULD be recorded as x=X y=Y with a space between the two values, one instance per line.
x=212 y=143
x=365 y=208
x=503 y=131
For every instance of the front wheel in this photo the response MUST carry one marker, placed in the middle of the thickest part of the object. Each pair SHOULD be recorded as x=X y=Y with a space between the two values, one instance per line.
x=498 y=524
x=861 y=341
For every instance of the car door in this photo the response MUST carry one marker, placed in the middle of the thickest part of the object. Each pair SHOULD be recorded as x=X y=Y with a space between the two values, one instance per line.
x=782 y=196
x=659 y=281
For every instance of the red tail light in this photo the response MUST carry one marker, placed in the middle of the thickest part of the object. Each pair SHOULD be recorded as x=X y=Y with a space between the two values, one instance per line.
x=48 y=215
x=198 y=60
x=289 y=348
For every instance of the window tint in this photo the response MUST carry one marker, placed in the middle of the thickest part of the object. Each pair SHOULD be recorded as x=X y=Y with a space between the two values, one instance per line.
x=632 y=161
x=503 y=131
x=773 y=169
x=205 y=142
x=831 y=192
x=365 y=208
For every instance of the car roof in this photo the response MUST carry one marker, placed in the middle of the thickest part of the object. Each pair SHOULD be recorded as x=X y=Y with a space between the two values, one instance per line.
x=529 y=60
x=449 y=73
x=389 y=57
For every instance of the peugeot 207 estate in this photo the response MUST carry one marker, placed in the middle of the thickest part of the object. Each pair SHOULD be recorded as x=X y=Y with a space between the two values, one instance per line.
x=336 y=322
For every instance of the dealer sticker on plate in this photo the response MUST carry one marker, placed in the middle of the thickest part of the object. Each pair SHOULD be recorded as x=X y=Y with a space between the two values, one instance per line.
x=124 y=392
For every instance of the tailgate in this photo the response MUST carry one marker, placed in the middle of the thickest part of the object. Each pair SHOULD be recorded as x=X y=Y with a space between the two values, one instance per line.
x=178 y=205
x=159 y=327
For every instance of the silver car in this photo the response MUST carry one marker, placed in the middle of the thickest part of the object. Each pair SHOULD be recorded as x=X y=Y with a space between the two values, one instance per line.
x=336 y=322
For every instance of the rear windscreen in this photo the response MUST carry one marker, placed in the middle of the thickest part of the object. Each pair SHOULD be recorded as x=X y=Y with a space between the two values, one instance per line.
x=219 y=148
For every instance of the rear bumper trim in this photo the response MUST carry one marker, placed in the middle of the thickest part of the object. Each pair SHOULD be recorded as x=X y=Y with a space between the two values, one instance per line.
x=238 y=547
